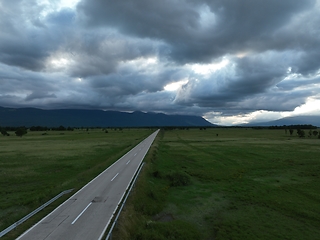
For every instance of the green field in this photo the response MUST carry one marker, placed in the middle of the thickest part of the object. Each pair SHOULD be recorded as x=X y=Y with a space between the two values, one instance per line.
x=226 y=184
x=38 y=166
x=196 y=184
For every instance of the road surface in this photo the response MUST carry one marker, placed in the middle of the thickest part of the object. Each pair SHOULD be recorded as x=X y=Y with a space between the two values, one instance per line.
x=87 y=213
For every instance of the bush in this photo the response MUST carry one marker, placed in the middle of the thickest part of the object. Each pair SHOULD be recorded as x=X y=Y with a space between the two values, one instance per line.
x=179 y=179
x=157 y=174
x=21 y=131
x=4 y=132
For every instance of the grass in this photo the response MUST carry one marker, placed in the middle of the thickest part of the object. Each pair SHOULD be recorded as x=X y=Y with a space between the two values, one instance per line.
x=36 y=167
x=226 y=184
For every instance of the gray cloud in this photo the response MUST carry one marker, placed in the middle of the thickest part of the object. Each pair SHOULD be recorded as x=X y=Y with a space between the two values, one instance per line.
x=27 y=39
x=233 y=26
x=294 y=83
x=40 y=95
x=122 y=55
x=100 y=53
x=247 y=76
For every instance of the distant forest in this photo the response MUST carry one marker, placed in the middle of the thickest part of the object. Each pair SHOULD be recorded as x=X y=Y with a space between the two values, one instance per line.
x=62 y=128
x=22 y=130
x=299 y=126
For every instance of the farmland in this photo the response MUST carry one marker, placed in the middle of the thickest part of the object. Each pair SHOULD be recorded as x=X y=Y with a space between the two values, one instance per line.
x=226 y=184
x=214 y=183
x=38 y=166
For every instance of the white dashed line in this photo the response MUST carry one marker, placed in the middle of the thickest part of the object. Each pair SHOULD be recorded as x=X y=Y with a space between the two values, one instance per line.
x=114 y=177
x=81 y=213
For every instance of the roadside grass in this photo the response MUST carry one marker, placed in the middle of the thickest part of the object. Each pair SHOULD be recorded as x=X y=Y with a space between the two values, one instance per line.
x=36 y=167
x=226 y=184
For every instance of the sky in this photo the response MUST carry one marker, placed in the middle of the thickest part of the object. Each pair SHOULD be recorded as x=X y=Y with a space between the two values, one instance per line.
x=228 y=61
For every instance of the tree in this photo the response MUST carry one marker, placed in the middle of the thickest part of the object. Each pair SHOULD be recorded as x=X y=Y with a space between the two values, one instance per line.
x=315 y=133
x=61 y=128
x=291 y=131
x=301 y=133
x=4 y=132
x=70 y=129
x=21 y=131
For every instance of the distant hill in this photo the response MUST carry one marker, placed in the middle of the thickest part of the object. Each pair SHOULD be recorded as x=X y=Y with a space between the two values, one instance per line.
x=94 y=118
x=298 y=120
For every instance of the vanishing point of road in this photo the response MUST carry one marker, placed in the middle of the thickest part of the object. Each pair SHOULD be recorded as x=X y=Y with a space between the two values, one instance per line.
x=87 y=214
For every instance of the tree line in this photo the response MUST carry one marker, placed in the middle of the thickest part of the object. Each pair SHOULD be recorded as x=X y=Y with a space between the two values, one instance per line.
x=301 y=133
x=22 y=130
x=300 y=129
x=297 y=126
x=19 y=131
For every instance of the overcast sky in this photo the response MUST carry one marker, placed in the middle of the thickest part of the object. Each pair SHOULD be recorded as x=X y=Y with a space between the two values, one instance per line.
x=229 y=61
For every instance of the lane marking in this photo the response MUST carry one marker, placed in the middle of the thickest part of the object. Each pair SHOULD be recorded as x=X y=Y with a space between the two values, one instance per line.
x=135 y=154
x=128 y=162
x=114 y=177
x=81 y=213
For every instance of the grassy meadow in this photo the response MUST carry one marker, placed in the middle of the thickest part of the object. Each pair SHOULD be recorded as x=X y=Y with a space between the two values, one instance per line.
x=226 y=184
x=38 y=166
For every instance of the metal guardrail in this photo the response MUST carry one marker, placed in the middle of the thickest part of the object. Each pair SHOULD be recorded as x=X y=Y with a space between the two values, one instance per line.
x=25 y=218
x=123 y=203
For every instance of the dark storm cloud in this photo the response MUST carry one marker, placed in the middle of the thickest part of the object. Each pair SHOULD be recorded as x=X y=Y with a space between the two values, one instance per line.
x=257 y=82
x=126 y=85
x=248 y=76
x=310 y=62
x=234 y=25
x=155 y=19
x=292 y=84
x=121 y=55
x=274 y=101
x=101 y=53
x=15 y=83
x=40 y=95
x=26 y=39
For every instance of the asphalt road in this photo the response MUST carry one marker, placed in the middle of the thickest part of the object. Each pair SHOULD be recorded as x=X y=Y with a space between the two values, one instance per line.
x=87 y=213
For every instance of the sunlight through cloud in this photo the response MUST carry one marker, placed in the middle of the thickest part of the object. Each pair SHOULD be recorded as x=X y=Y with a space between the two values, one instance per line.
x=175 y=85
x=50 y=6
x=207 y=69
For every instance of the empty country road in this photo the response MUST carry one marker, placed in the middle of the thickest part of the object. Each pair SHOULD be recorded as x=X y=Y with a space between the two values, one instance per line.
x=87 y=213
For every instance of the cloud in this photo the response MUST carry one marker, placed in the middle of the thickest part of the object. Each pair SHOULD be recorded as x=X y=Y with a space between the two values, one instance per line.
x=183 y=25
x=225 y=57
x=40 y=95
x=250 y=75
x=27 y=39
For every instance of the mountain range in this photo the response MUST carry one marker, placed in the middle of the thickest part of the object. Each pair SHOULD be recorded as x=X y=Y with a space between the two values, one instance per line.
x=28 y=117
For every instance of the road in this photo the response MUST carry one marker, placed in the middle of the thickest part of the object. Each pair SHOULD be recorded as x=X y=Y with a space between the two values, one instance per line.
x=87 y=213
